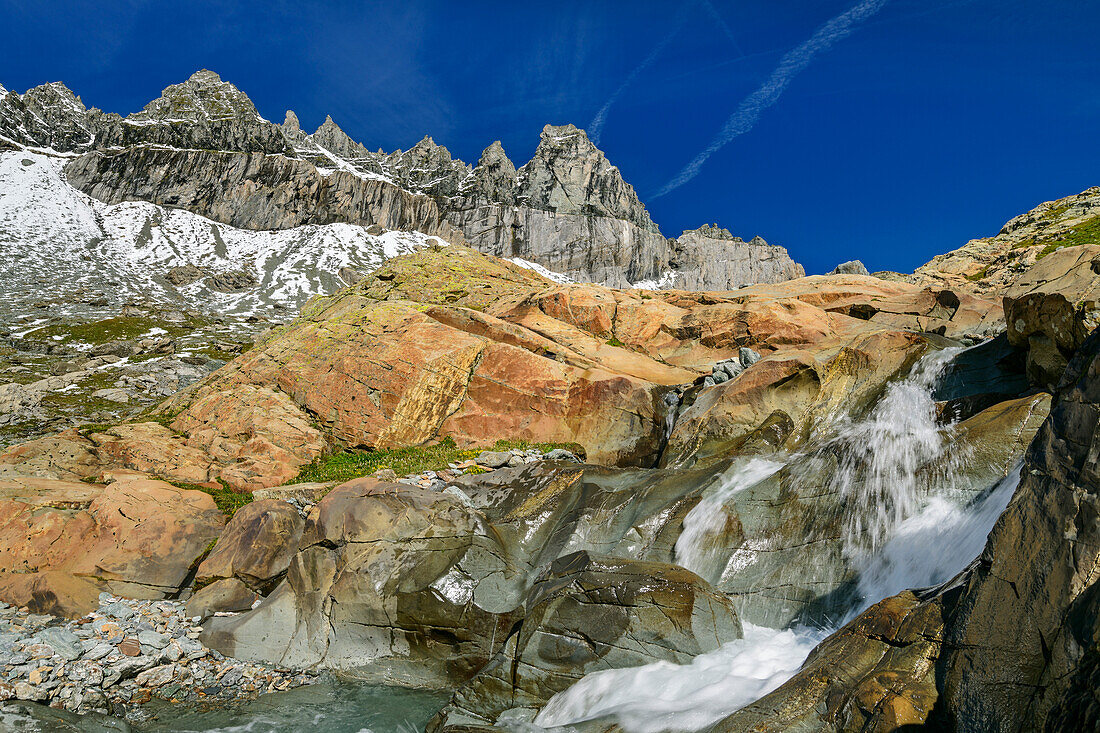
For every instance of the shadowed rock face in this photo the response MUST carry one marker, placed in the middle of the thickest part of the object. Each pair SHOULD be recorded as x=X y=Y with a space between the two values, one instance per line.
x=1052 y=308
x=588 y=613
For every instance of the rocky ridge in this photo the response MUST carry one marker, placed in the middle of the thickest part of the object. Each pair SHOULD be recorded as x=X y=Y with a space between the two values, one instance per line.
x=202 y=146
x=992 y=264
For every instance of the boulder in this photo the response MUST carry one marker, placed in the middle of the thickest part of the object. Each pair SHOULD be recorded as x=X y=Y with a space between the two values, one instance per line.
x=1051 y=309
x=63 y=543
x=1019 y=639
x=225 y=595
x=587 y=613
x=852 y=267
x=875 y=674
x=373 y=591
x=381 y=370
x=256 y=546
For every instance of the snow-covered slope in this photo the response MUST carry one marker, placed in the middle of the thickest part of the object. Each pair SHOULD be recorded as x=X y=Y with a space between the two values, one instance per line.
x=60 y=246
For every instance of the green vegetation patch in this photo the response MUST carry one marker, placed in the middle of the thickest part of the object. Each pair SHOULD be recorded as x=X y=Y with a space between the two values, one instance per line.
x=1087 y=232
x=978 y=275
x=228 y=500
x=120 y=328
x=1055 y=212
x=616 y=342
x=351 y=464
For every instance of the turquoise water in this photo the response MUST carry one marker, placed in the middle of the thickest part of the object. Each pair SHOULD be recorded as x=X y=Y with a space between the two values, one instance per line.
x=332 y=707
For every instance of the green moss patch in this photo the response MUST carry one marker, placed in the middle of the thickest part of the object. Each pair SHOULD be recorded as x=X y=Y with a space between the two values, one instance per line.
x=351 y=464
x=228 y=500
x=978 y=275
x=120 y=328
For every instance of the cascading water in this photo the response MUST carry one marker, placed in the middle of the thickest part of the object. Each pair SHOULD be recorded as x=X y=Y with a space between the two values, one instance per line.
x=889 y=461
x=893 y=477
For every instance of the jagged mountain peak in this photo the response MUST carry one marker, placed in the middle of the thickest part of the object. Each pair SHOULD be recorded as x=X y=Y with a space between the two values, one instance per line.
x=332 y=138
x=204 y=97
x=712 y=231
x=48 y=116
x=290 y=125
x=570 y=175
x=555 y=133
x=494 y=177
x=429 y=168
x=55 y=95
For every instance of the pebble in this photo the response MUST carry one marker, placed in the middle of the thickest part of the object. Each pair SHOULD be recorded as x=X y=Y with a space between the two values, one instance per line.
x=122 y=655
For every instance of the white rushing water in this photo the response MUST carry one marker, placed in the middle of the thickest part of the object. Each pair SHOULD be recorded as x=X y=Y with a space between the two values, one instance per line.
x=669 y=697
x=883 y=458
x=904 y=528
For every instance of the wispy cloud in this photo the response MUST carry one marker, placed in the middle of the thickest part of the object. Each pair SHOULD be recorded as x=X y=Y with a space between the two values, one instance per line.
x=595 y=127
x=750 y=109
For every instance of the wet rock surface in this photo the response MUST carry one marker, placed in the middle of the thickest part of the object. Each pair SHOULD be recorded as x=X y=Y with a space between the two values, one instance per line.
x=1008 y=644
x=588 y=613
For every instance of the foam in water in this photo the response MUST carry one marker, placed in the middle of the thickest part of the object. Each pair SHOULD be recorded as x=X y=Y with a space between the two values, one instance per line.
x=933 y=545
x=905 y=530
x=663 y=696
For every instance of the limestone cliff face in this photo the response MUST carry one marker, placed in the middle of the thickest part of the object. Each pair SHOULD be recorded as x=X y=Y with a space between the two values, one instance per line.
x=252 y=190
x=710 y=258
x=570 y=175
x=203 y=146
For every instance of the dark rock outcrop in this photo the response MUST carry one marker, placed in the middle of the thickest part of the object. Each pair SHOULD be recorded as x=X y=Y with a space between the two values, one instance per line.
x=589 y=613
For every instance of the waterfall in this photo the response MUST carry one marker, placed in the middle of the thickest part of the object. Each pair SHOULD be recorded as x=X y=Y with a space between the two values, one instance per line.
x=881 y=476
x=903 y=528
x=663 y=696
x=957 y=533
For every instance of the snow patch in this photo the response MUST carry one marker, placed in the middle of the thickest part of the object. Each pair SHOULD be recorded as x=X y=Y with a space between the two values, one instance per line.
x=548 y=274
x=660 y=283
x=55 y=240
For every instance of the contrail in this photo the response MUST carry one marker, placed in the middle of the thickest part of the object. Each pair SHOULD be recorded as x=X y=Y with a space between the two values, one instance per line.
x=595 y=127
x=717 y=17
x=748 y=112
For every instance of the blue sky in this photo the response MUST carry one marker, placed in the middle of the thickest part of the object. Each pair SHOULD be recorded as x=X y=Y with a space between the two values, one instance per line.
x=883 y=130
